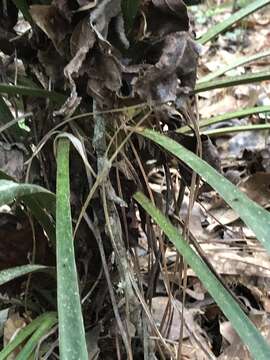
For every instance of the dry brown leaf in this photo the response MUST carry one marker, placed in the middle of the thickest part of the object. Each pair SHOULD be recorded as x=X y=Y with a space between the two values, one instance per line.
x=49 y=20
x=257 y=188
x=12 y=326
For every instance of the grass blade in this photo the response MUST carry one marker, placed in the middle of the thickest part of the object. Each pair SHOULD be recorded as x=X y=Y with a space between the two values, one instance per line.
x=239 y=62
x=232 y=81
x=25 y=333
x=71 y=329
x=257 y=218
x=241 y=323
x=233 y=129
x=129 y=9
x=48 y=322
x=31 y=91
x=10 y=190
x=37 y=205
x=228 y=116
x=7 y=117
x=23 y=7
x=14 y=273
x=240 y=14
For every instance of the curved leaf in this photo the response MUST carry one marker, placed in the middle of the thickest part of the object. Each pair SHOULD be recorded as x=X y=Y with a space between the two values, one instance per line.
x=48 y=322
x=228 y=116
x=222 y=26
x=14 y=273
x=25 y=332
x=31 y=91
x=10 y=190
x=232 y=81
x=256 y=217
x=244 y=327
x=238 y=62
x=72 y=342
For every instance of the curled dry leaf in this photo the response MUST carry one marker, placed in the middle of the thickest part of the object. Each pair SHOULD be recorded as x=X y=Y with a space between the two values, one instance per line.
x=159 y=305
x=237 y=350
x=176 y=64
x=49 y=20
x=64 y=8
x=81 y=41
x=104 y=76
x=257 y=187
x=12 y=326
x=12 y=160
x=167 y=16
x=102 y=14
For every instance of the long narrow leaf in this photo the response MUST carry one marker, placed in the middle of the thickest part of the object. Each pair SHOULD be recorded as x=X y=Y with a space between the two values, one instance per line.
x=38 y=205
x=25 y=333
x=10 y=190
x=257 y=218
x=71 y=329
x=129 y=9
x=233 y=129
x=24 y=8
x=240 y=14
x=244 y=327
x=234 y=64
x=35 y=92
x=6 y=117
x=48 y=322
x=14 y=273
x=232 y=81
x=228 y=116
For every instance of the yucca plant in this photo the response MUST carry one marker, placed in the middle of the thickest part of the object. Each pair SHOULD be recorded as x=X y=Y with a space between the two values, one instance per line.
x=97 y=84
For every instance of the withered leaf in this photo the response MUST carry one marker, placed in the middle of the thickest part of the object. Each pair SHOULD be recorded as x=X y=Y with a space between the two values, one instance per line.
x=49 y=20
x=65 y=8
x=177 y=60
x=12 y=160
x=104 y=75
x=82 y=40
x=52 y=62
x=167 y=16
x=102 y=14
x=157 y=85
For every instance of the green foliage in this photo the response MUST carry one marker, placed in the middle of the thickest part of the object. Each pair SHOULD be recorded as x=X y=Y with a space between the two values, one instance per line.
x=228 y=116
x=14 y=273
x=130 y=9
x=31 y=91
x=42 y=205
x=239 y=62
x=244 y=327
x=6 y=117
x=71 y=330
x=38 y=327
x=22 y=5
x=40 y=201
x=232 y=81
x=257 y=218
x=239 y=15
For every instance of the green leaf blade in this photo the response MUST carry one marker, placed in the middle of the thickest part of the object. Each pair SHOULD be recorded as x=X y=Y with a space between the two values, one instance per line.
x=228 y=81
x=71 y=329
x=255 y=217
x=31 y=91
x=48 y=322
x=244 y=327
x=238 y=62
x=14 y=273
x=10 y=190
x=25 y=332
x=228 y=116
x=240 y=14
x=130 y=9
